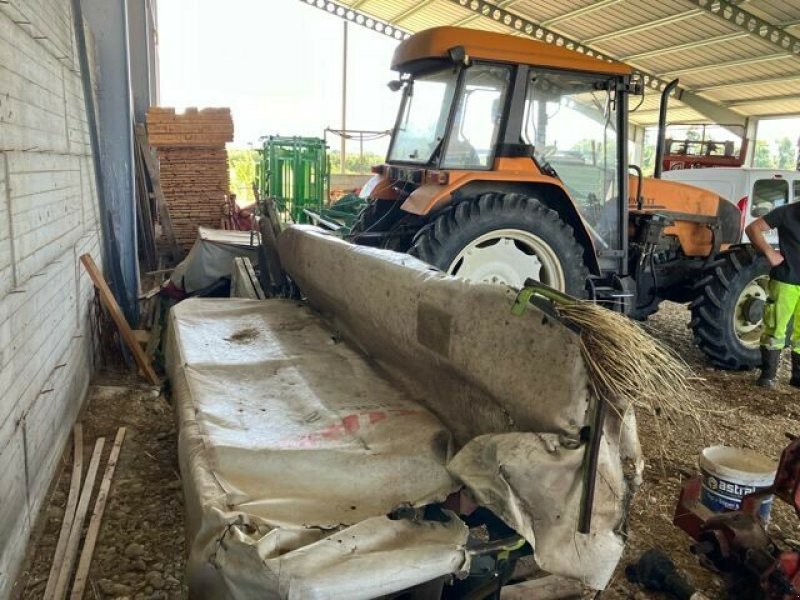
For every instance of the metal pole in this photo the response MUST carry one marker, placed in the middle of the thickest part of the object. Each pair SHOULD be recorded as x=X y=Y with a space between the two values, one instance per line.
x=343 y=149
x=662 y=127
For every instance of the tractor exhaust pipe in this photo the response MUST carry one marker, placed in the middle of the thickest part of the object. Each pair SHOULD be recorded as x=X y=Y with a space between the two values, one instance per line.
x=662 y=127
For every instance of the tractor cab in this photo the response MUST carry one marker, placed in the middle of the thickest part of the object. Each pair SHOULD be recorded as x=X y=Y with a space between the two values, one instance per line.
x=480 y=108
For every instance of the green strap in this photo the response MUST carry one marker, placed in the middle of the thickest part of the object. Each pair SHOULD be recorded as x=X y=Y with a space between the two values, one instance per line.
x=521 y=301
x=545 y=291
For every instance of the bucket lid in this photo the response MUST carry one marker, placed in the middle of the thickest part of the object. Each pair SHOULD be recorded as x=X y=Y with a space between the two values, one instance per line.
x=738 y=464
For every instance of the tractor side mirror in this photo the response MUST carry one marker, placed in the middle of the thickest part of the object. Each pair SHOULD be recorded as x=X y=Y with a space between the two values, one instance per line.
x=395 y=85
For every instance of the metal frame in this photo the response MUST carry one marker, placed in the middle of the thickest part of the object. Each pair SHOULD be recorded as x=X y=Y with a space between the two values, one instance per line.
x=410 y=11
x=579 y=12
x=538 y=32
x=668 y=20
x=748 y=82
x=682 y=47
x=750 y=23
x=349 y=13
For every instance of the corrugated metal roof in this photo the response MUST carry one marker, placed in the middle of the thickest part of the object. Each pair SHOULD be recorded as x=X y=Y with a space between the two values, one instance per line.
x=703 y=43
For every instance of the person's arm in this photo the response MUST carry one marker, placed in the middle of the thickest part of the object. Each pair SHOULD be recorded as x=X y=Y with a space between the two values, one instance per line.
x=755 y=232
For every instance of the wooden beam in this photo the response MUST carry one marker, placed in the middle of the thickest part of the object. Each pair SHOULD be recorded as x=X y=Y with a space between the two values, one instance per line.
x=551 y=587
x=108 y=300
x=77 y=524
x=69 y=511
x=155 y=180
x=82 y=574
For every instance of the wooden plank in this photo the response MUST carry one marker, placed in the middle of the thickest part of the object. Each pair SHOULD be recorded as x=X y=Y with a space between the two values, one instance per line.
x=155 y=331
x=155 y=181
x=550 y=587
x=107 y=298
x=69 y=511
x=141 y=335
x=147 y=241
x=77 y=525
x=82 y=574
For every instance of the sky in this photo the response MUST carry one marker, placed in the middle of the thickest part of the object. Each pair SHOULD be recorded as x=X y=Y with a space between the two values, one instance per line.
x=277 y=64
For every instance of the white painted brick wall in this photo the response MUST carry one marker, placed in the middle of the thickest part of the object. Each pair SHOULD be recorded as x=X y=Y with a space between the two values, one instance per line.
x=48 y=219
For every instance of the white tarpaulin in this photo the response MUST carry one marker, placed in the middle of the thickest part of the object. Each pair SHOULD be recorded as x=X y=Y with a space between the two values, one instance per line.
x=295 y=446
x=211 y=257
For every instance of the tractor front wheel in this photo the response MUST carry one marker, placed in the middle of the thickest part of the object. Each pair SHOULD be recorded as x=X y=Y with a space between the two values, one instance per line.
x=727 y=314
x=504 y=238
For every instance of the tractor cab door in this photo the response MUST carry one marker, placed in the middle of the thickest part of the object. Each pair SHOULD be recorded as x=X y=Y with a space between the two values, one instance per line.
x=577 y=125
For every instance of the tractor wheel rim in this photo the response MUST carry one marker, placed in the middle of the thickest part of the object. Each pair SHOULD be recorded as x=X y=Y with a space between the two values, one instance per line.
x=509 y=256
x=749 y=332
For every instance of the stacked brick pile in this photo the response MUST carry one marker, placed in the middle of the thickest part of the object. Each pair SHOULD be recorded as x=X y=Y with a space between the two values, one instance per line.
x=193 y=165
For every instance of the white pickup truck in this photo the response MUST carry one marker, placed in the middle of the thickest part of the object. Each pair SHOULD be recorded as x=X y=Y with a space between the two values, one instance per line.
x=754 y=191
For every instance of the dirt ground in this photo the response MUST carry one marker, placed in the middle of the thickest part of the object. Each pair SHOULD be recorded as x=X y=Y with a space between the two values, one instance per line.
x=735 y=412
x=141 y=549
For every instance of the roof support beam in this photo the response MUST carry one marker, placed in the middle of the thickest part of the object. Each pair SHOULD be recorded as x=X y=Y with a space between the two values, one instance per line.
x=669 y=20
x=762 y=99
x=472 y=18
x=687 y=46
x=410 y=11
x=348 y=13
x=748 y=22
x=524 y=26
x=579 y=12
x=746 y=83
x=722 y=65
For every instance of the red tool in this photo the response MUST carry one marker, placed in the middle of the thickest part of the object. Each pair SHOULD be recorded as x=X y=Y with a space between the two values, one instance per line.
x=737 y=543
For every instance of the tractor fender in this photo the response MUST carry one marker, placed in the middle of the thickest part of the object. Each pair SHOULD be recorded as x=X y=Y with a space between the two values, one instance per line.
x=552 y=196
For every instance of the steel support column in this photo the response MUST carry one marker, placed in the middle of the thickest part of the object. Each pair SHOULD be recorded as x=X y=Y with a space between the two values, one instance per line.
x=139 y=34
x=108 y=22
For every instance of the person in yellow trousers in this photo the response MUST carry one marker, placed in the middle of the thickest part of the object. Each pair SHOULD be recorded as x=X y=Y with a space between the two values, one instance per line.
x=784 y=290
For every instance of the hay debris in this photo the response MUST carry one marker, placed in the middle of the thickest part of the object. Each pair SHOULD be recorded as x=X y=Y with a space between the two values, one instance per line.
x=629 y=367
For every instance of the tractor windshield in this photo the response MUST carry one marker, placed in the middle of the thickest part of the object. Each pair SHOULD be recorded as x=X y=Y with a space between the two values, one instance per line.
x=423 y=116
x=572 y=120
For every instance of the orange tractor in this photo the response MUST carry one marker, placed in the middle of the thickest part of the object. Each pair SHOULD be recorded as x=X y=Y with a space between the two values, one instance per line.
x=509 y=161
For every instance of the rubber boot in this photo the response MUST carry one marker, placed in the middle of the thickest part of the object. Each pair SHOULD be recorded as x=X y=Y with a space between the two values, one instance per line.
x=769 y=367
x=795 y=380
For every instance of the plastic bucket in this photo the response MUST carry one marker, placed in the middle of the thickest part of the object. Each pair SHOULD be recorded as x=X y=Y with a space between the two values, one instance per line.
x=729 y=474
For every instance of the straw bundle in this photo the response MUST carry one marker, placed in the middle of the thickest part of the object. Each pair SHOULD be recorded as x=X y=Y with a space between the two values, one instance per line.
x=627 y=366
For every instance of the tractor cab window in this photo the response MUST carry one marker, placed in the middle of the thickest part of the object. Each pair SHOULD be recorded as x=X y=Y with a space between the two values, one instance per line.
x=479 y=111
x=571 y=120
x=423 y=116
x=768 y=194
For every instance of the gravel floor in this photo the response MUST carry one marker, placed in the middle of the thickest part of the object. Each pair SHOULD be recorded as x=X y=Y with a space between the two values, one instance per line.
x=141 y=549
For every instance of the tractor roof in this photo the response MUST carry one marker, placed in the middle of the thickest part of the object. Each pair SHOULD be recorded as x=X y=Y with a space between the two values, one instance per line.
x=422 y=48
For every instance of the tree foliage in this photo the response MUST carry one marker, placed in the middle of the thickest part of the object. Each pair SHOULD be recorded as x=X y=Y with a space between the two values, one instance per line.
x=354 y=162
x=242 y=169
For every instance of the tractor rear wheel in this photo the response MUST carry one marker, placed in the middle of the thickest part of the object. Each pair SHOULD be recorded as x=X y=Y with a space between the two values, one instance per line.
x=727 y=314
x=504 y=238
